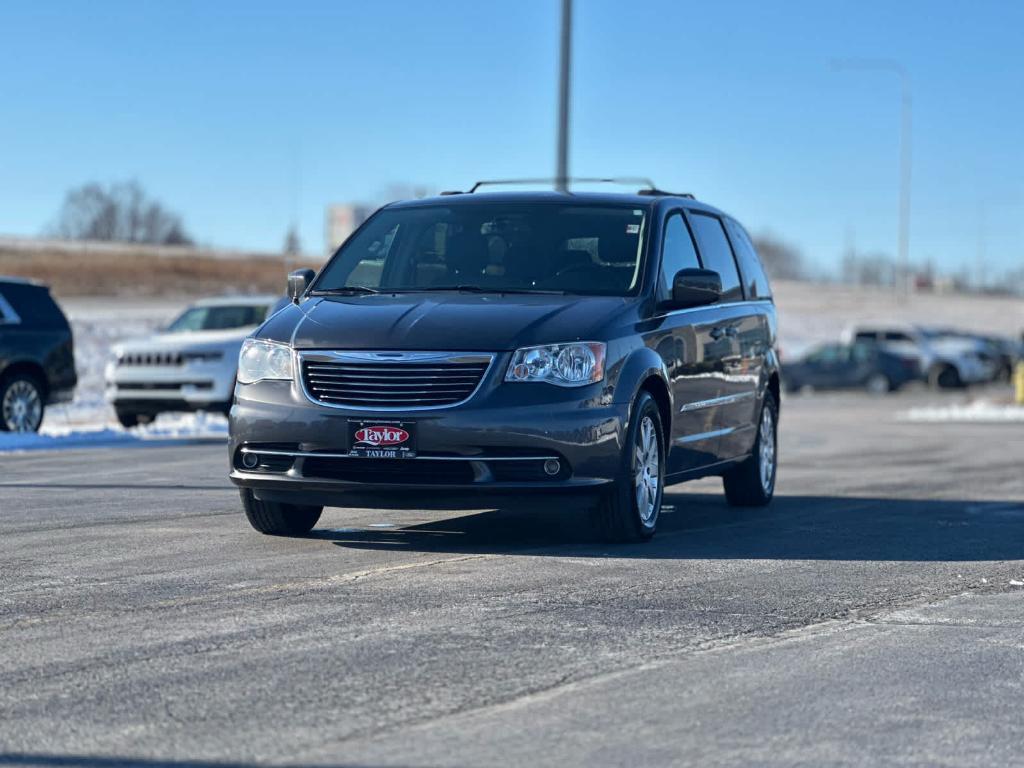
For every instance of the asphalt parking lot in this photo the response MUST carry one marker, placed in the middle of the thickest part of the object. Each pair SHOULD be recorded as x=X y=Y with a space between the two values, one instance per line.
x=873 y=615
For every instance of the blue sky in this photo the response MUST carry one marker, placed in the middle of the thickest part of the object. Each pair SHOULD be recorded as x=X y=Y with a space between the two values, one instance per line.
x=244 y=115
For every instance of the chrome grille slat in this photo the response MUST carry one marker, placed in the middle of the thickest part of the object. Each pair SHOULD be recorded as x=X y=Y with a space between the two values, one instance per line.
x=359 y=394
x=392 y=380
x=403 y=374
x=388 y=401
x=405 y=382
x=413 y=373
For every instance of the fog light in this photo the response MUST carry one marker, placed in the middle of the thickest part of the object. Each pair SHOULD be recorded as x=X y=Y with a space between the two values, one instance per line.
x=552 y=467
x=250 y=460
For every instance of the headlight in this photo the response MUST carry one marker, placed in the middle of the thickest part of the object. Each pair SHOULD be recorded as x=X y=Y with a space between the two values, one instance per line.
x=264 y=360
x=567 y=365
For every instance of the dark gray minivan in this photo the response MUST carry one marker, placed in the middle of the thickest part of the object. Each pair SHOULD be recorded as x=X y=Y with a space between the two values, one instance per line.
x=503 y=344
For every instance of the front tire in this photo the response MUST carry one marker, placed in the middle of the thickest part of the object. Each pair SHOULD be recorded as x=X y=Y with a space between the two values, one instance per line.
x=752 y=483
x=276 y=519
x=128 y=419
x=21 y=404
x=629 y=511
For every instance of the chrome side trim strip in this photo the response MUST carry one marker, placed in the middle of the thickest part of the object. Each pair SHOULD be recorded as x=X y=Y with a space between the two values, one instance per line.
x=710 y=403
x=703 y=436
x=724 y=305
x=391 y=357
x=316 y=455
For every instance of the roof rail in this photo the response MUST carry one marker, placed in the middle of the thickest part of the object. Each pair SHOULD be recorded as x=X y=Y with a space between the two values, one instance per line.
x=663 y=193
x=649 y=187
x=647 y=183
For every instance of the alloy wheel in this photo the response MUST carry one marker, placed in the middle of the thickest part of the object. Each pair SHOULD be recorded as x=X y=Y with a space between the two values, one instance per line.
x=767 y=452
x=647 y=470
x=22 y=407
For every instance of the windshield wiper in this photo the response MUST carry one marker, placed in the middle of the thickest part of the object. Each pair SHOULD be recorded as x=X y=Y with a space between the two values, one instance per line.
x=481 y=289
x=345 y=290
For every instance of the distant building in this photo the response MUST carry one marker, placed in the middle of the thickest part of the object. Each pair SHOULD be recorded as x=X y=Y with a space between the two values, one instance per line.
x=342 y=220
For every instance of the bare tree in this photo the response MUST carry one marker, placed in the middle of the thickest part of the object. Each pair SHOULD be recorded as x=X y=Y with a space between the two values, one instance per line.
x=874 y=269
x=781 y=260
x=119 y=212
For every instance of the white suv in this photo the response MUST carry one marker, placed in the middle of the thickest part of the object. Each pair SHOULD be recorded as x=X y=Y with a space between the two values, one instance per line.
x=945 y=359
x=190 y=365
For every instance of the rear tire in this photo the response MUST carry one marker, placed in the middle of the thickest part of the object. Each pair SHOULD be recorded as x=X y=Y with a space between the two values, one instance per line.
x=752 y=483
x=276 y=519
x=629 y=510
x=22 y=403
x=944 y=377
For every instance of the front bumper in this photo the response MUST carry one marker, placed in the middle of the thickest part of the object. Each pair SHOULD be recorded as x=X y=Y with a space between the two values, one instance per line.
x=188 y=386
x=61 y=396
x=495 y=444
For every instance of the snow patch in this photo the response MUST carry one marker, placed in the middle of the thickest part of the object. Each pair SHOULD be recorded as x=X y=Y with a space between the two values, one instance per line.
x=980 y=411
x=167 y=427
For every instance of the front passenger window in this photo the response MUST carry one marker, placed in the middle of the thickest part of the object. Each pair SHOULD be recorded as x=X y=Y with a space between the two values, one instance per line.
x=677 y=252
x=716 y=253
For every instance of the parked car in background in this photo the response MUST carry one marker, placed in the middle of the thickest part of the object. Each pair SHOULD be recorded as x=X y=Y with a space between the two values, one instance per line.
x=945 y=361
x=37 y=361
x=598 y=346
x=850 y=366
x=999 y=353
x=188 y=366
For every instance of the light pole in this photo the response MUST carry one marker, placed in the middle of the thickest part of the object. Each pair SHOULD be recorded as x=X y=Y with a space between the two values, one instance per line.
x=565 y=61
x=903 y=243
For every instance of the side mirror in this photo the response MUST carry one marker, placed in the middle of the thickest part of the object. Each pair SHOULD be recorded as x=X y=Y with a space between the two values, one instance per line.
x=695 y=288
x=298 y=282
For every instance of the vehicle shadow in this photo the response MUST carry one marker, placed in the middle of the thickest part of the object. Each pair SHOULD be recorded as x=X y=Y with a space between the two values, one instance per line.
x=703 y=526
x=117 y=486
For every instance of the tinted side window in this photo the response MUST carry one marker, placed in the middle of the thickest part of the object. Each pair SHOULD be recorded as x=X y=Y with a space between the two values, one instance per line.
x=716 y=253
x=677 y=252
x=755 y=281
x=830 y=353
x=861 y=353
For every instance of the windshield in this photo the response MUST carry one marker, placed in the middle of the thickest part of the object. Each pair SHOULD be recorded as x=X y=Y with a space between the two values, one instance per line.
x=218 y=318
x=492 y=246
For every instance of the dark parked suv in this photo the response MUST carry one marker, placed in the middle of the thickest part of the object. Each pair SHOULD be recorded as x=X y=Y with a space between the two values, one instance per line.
x=37 y=362
x=599 y=345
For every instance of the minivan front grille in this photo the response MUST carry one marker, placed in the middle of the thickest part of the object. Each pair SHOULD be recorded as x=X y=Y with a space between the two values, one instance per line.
x=392 y=380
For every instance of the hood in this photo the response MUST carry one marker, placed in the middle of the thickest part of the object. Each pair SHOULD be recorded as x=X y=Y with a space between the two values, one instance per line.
x=445 y=321
x=188 y=340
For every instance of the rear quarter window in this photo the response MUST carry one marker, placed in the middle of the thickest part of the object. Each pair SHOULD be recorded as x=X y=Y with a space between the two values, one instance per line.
x=34 y=306
x=755 y=281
